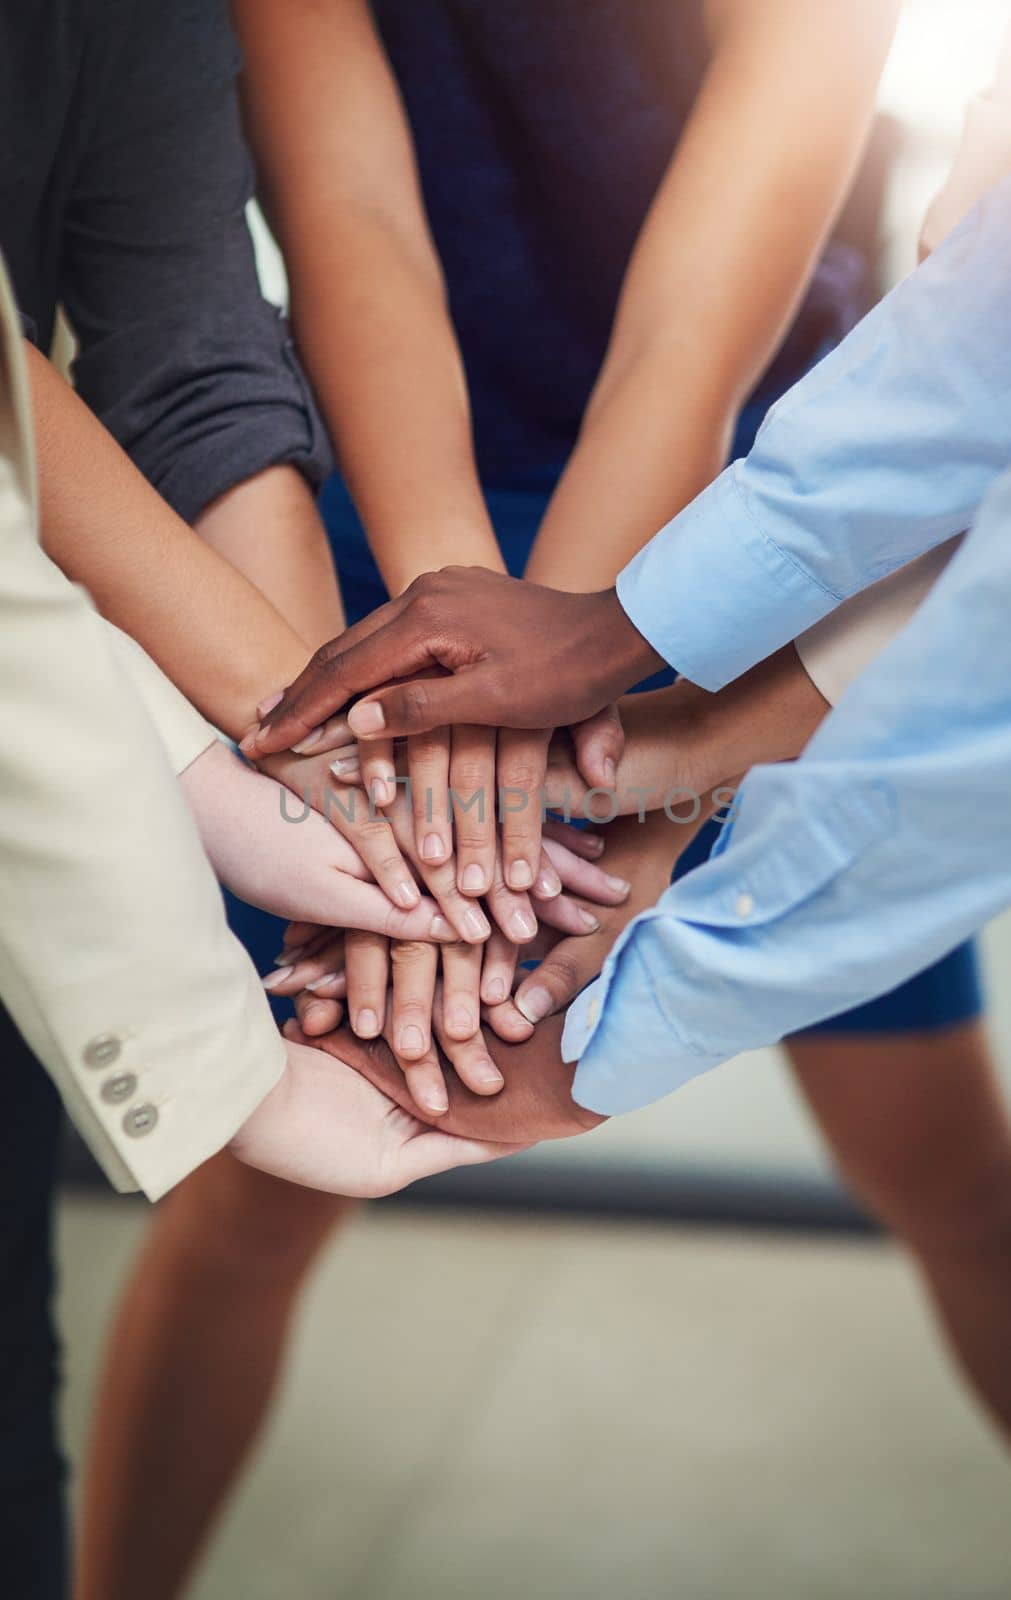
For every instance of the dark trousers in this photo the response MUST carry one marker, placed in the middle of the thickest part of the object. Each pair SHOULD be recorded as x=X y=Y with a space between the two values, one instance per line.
x=33 y=1538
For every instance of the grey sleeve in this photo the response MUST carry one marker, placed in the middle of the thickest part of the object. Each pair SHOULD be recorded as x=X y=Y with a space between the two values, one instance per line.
x=180 y=356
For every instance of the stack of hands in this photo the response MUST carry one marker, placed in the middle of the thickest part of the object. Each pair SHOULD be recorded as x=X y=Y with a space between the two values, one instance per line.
x=423 y=1038
x=421 y=879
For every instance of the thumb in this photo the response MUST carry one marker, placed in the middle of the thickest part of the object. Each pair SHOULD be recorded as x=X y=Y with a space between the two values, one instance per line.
x=426 y=703
x=599 y=743
x=348 y=903
x=432 y=1152
x=561 y=975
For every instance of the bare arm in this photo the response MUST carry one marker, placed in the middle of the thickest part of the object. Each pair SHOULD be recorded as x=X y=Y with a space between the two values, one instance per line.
x=367 y=297
x=210 y=630
x=718 y=271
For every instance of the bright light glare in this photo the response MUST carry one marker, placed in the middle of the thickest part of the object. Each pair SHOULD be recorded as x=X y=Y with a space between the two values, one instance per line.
x=944 y=53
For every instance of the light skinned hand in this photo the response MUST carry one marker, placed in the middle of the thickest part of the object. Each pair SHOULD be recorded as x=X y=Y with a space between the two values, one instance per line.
x=327 y=1127
x=299 y=868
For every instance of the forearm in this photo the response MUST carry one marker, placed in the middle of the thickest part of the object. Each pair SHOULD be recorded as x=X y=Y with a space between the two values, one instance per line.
x=269 y=528
x=375 y=336
x=712 y=287
x=648 y=446
x=367 y=297
x=219 y=640
x=685 y=739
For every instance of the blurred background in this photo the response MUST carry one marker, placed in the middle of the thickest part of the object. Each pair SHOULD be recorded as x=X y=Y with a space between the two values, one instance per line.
x=670 y=1358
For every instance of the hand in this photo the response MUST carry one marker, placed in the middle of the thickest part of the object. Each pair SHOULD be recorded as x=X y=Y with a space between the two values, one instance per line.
x=475 y=791
x=646 y=852
x=296 y=868
x=682 y=741
x=536 y=1102
x=516 y=655
x=325 y=1126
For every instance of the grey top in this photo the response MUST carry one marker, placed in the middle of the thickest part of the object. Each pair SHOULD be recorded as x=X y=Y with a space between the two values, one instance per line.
x=123 y=184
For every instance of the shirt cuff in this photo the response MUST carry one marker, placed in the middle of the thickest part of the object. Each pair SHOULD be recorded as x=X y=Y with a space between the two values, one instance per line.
x=713 y=594
x=618 y=1070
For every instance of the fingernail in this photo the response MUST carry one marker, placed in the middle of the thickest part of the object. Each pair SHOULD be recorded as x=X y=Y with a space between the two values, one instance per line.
x=441 y=929
x=384 y=791
x=272 y=979
x=523 y=923
x=476 y=923
x=287 y=958
x=266 y=706
x=433 y=848
x=595 y=842
x=366 y=1024
x=474 y=880
x=548 y=885
x=619 y=885
x=495 y=991
x=345 y=765
x=487 y=1072
x=519 y=875
x=310 y=742
x=535 y=1004
x=462 y=1020
x=588 y=920
x=367 y=718
x=407 y=894
x=321 y=983
x=610 y=772
x=248 y=744
x=411 y=1041
x=435 y=1101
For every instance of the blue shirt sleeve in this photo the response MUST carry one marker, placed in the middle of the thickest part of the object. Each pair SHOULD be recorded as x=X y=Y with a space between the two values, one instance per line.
x=846 y=872
x=883 y=451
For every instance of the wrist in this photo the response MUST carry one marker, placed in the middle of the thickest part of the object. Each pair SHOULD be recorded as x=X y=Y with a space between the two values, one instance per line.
x=617 y=654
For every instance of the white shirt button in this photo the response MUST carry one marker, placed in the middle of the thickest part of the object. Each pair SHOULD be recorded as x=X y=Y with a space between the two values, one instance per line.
x=139 y=1120
x=102 y=1050
x=119 y=1087
x=745 y=904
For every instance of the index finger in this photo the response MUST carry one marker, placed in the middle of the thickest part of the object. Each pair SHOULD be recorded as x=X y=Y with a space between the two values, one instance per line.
x=363 y=657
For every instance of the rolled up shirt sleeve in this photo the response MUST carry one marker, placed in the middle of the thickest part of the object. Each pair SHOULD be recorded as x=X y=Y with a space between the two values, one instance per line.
x=884 y=451
x=180 y=356
x=885 y=845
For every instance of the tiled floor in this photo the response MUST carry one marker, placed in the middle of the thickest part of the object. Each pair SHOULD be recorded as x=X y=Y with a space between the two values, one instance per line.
x=480 y=1409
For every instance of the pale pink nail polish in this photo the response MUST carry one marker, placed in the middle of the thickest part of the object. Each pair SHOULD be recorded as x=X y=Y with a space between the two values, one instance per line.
x=266 y=706
x=534 y=1004
x=272 y=979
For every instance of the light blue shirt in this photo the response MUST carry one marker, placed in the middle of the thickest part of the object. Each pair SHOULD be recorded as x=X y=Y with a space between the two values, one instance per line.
x=889 y=841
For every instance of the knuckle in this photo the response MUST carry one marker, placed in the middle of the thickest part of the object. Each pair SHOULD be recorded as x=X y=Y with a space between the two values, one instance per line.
x=561 y=974
x=405 y=952
x=414 y=702
x=523 y=773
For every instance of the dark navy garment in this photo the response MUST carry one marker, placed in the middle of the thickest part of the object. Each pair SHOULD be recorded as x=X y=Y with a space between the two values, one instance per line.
x=542 y=130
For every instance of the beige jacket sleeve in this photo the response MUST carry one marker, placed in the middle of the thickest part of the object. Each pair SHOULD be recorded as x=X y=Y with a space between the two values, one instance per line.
x=115 y=959
x=184 y=732
x=837 y=650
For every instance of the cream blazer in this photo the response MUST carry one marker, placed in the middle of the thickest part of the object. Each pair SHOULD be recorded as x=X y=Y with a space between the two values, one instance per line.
x=116 y=962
